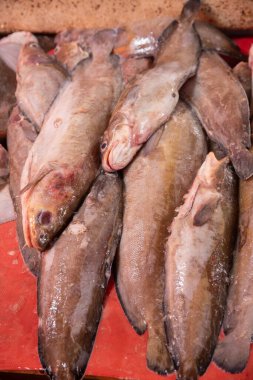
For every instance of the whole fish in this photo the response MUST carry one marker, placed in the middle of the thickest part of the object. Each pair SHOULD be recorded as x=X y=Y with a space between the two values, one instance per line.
x=154 y=186
x=39 y=76
x=64 y=159
x=20 y=137
x=243 y=73
x=222 y=106
x=199 y=255
x=7 y=96
x=73 y=280
x=149 y=100
x=232 y=353
x=141 y=39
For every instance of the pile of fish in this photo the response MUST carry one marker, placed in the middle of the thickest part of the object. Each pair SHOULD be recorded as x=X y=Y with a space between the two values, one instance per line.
x=159 y=104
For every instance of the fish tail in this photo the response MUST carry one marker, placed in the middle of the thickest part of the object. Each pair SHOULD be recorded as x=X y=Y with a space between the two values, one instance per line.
x=189 y=11
x=158 y=357
x=232 y=353
x=102 y=43
x=242 y=161
x=187 y=371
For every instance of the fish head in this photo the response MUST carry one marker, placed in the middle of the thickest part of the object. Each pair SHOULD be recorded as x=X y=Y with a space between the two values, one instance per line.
x=47 y=206
x=11 y=46
x=71 y=53
x=117 y=147
x=32 y=54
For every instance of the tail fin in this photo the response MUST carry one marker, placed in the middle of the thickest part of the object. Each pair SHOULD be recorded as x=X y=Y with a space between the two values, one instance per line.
x=232 y=353
x=11 y=45
x=102 y=43
x=189 y=11
x=187 y=371
x=242 y=161
x=158 y=357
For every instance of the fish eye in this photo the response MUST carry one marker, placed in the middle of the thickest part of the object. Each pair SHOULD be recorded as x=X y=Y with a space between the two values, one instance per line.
x=57 y=49
x=33 y=44
x=103 y=146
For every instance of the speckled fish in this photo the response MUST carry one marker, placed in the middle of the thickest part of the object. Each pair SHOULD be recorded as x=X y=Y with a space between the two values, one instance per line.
x=155 y=183
x=7 y=96
x=243 y=73
x=199 y=255
x=222 y=106
x=64 y=159
x=141 y=39
x=148 y=101
x=73 y=280
x=20 y=137
x=232 y=353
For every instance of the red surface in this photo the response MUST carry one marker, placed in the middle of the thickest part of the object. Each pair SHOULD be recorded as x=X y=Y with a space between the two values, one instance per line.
x=118 y=350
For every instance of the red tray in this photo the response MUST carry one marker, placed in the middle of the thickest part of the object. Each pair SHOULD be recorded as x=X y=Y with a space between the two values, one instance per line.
x=118 y=351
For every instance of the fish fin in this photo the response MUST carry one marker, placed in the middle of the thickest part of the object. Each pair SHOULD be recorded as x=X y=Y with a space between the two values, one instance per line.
x=205 y=212
x=232 y=353
x=136 y=322
x=152 y=142
x=158 y=357
x=102 y=43
x=242 y=161
x=40 y=175
x=189 y=11
x=187 y=371
x=167 y=32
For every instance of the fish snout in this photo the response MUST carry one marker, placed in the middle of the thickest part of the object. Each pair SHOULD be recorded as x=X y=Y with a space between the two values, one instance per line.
x=42 y=229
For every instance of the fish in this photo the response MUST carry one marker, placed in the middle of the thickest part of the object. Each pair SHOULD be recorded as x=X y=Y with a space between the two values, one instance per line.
x=39 y=79
x=232 y=352
x=7 y=96
x=64 y=159
x=141 y=39
x=148 y=101
x=73 y=280
x=221 y=104
x=21 y=135
x=70 y=54
x=39 y=76
x=154 y=184
x=198 y=259
x=243 y=73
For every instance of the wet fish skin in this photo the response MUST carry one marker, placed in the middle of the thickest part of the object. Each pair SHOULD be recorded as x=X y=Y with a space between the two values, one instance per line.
x=154 y=186
x=243 y=73
x=7 y=96
x=220 y=101
x=73 y=280
x=232 y=352
x=20 y=137
x=55 y=180
x=199 y=255
x=251 y=67
x=148 y=101
x=39 y=79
